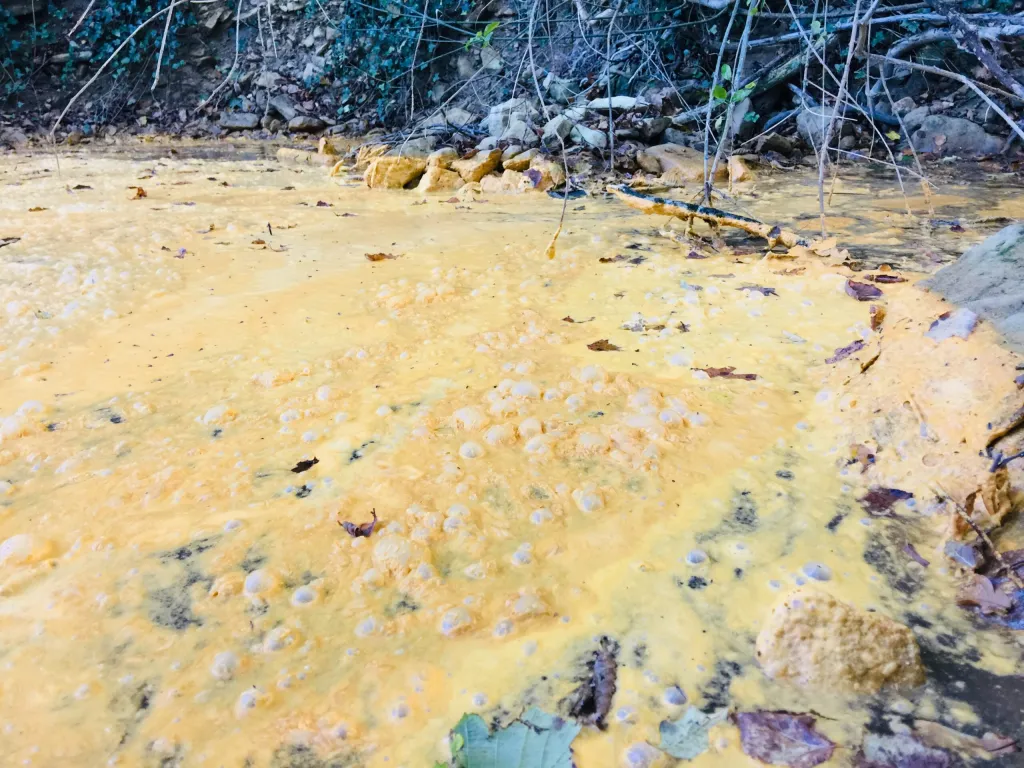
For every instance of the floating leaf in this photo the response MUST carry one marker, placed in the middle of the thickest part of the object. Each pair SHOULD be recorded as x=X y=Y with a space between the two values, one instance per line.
x=380 y=256
x=569 y=319
x=879 y=501
x=140 y=193
x=305 y=464
x=981 y=594
x=37 y=209
x=687 y=737
x=862 y=291
x=727 y=373
x=324 y=204
x=602 y=345
x=364 y=530
x=759 y=289
x=938 y=735
x=844 y=352
x=900 y=751
x=695 y=255
x=886 y=278
x=783 y=738
x=877 y=312
x=535 y=740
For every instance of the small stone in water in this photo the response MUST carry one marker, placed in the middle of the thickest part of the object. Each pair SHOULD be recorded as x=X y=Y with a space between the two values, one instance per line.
x=303 y=596
x=696 y=556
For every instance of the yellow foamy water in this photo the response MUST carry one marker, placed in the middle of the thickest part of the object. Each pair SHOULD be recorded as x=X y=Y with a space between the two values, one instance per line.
x=172 y=593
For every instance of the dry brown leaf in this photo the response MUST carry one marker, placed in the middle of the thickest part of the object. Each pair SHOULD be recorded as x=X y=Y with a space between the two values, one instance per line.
x=986 y=507
x=937 y=735
x=140 y=193
x=380 y=256
x=980 y=593
x=37 y=209
x=603 y=345
x=727 y=373
x=877 y=313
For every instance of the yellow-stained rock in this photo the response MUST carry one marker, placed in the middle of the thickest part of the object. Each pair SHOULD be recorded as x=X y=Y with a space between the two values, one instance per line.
x=394 y=172
x=508 y=183
x=817 y=641
x=442 y=158
x=328 y=146
x=367 y=154
x=739 y=170
x=521 y=161
x=439 y=179
x=479 y=165
x=552 y=172
x=677 y=163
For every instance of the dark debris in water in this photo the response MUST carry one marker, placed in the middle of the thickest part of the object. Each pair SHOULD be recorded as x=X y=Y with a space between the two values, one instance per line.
x=305 y=465
x=592 y=700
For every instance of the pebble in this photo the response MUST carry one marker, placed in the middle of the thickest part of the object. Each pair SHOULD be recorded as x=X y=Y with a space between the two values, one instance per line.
x=232 y=525
x=303 y=596
x=587 y=501
x=224 y=666
x=260 y=582
x=541 y=516
x=24 y=548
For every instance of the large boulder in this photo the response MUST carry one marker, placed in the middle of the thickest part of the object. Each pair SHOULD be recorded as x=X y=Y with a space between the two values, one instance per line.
x=479 y=165
x=450 y=116
x=680 y=164
x=819 y=642
x=954 y=136
x=239 y=121
x=394 y=172
x=442 y=158
x=989 y=279
x=501 y=115
x=438 y=179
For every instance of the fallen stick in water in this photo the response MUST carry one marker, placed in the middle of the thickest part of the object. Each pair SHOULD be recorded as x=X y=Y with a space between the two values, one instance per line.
x=773 y=234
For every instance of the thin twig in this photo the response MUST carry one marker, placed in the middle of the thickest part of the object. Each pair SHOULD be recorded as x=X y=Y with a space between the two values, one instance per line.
x=711 y=100
x=160 y=58
x=737 y=73
x=81 y=18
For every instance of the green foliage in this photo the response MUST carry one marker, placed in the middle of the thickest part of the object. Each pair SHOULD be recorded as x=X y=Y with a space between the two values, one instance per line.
x=536 y=740
x=111 y=21
x=19 y=44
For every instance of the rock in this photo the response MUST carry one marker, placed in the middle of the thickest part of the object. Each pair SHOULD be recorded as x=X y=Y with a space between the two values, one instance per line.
x=811 y=125
x=509 y=183
x=774 y=142
x=679 y=164
x=442 y=158
x=954 y=136
x=590 y=137
x=673 y=135
x=478 y=166
x=511 y=151
x=394 y=172
x=453 y=116
x=847 y=143
x=421 y=147
x=439 y=179
x=903 y=106
x=648 y=163
x=556 y=130
x=239 y=121
x=328 y=146
x=989 y=280
x=652 y=128
x=819 y=642
x=640 y=754
x=275 y=126
x=501 y=115
x=742 y=129
x=284 y=107
x=915 y=117
x=738 y=170
x=488 y=143
x=575 y=113
x=306 y=124
x=560 y=89
x=14 y=138
x=520 y=131
x=24 y=549
x=367 y=154
x=552 y=174
x=490 y=59
x=618 y=104
x=521 y=161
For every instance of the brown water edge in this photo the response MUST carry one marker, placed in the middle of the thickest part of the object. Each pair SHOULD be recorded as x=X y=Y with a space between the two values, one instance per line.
x=154 y=406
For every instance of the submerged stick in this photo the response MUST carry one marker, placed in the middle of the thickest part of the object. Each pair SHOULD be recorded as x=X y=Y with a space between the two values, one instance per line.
x=661 y=206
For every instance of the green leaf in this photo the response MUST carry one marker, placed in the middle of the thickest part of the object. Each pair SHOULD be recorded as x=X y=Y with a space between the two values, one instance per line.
x=751 y=117
x=489 y=29
x=726 y=73
x=815 y=27
x=687 y=737
x=536 y=740
x=718 y=92
x=892 y=135
x=458 y=742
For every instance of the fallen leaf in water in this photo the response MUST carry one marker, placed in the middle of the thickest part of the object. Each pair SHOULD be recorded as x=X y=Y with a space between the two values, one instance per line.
x=324 y=204
x=258 y=241
x=957 y=228
x=180 y=254
x=886 y=278
x=8 y=241
x=862 y=291
x=863 y=455
x=591 y=701
x=783 y=738
x=986 y=507
x=1014 y=559
x=727 y=373
x=534 y=740
x=687 y=737
x=899 y=751
x=364 y=530
x=913 y=554
x=453 y=200
x=938 y=735
x=960 y=323
x=568 y=319
x=380 y=256
x=287 y=189
x=80 y=186
x=981 y=594
x=305 y=464
x=683 y=327
x=695 y=255
x=37 y=209
x=879 y=501
x=140 y=193
x=759 y=289
x=602 y=345
x=877 y=313
x=870 y=361
x=345 y=215
x=844 y=352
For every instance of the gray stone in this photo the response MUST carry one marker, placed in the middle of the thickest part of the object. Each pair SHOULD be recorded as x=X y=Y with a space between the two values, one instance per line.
x=915 y=117
x=501 y=115
x=575 y=113
x=450 y=116
x=421 y=147
x=989 y=280
x=652 y=128
x=673 y=135
x=590 y=137
x=556 y=130
x=489 y=142
x=14 y=138
x=306 y=124
x=617 y=104
x=954 y=136
x=284 y=107
x=903 y=106
x=520 y=132
x=239 y=121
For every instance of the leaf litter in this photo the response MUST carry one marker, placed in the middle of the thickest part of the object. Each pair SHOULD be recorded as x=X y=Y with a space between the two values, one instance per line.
x=380 y=256
x=534 y=740
x=862 y=291
x=727 y=373
x=592 y=700
x=783 y=738
x=603 y=345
